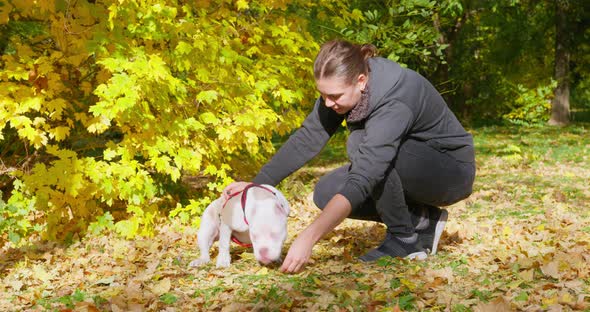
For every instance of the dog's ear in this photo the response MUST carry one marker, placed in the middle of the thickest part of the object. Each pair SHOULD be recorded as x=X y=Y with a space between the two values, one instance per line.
x=282 y=202
x=282 y=205
x=281 y=209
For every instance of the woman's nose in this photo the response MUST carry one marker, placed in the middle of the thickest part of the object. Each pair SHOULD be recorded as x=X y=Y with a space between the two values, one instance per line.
x=329 y=103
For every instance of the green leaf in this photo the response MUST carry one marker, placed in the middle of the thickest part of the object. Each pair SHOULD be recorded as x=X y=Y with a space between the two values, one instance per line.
x=209 y=118
x=168 y=298
x=207 y=96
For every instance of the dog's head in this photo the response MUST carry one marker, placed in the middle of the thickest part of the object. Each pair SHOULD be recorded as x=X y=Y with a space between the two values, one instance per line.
x=267 y=215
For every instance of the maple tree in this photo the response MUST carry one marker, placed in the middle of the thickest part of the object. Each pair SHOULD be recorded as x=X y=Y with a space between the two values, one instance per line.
x=107 y=104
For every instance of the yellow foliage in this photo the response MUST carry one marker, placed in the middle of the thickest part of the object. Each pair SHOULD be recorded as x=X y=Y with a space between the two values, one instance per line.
x=114 y=101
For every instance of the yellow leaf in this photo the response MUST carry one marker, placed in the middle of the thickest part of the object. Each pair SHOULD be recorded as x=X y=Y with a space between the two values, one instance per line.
x=209 y=118
x=41 y=274
x=161 y=287
x=527 y=275
x=242 y=4
x=514 y=284
x=24 y=51
x=38 y=121
x=317 y=281
x=77 y=59
x=507 y=231
x=75 y=184
x=379 y=296
x=263 y=271
x=352 y=294
x=59 y=133
x=408 y=283
x=5 y=10
x=549 y=301
x=247 y=255
x=566 y=298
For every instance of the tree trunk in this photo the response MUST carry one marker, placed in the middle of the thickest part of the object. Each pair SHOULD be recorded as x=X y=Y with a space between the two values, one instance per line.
x=560 y=106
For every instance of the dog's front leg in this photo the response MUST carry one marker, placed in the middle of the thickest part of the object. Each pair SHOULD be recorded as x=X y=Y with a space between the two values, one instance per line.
x=223 y=258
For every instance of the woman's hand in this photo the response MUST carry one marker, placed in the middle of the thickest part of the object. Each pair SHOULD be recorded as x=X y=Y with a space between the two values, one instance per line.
x=337 y=209
x=298 y=255
x=234 y=187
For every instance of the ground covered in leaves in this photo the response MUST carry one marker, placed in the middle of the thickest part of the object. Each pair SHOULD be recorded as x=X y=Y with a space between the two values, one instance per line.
x=520 y=242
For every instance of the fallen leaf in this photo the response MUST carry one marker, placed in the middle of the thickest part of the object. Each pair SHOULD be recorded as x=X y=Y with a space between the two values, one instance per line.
x=136 y=307
x=247 y=255
x=41 y=274
x=107 y=281
x=86 y=307
x=566 y=298
x=352 y=294
x=555 y=308
x=16 y=285
x=161 y=287
x=317 y=281
x=497 y=305
x=549 y=301
x=411 y=286
x=551 y=269
x=443 y=273
x=152 y=266
x=263 y=271
x=527 y=275
x=133 y=290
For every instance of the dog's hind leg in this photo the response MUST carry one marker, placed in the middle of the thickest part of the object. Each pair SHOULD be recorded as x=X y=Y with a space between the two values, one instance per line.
x=207 y=234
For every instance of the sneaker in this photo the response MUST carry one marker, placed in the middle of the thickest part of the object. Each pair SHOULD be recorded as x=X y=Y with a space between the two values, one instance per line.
x=430 y=226
x=396 y=247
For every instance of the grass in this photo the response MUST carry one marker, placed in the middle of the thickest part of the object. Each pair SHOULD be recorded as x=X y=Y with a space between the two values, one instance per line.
x=520 y=241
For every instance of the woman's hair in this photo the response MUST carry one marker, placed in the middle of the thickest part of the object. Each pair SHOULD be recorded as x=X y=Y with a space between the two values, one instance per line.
x=342 y=59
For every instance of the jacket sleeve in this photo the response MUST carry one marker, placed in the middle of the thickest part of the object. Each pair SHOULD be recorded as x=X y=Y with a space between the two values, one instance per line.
x=302 y=145
x=384 y=130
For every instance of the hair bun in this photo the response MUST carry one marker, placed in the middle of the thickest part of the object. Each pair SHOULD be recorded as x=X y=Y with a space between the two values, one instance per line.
x=368 y=50
x=342 y=59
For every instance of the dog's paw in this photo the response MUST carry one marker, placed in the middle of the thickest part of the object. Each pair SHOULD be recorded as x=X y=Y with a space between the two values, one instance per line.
x=198 y=262
x=223 y=261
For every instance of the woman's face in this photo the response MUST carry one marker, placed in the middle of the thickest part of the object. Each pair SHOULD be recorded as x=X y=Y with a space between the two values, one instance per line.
x=340 y=96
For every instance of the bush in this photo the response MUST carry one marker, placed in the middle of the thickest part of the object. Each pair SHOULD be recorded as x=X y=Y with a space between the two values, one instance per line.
x=531 y=106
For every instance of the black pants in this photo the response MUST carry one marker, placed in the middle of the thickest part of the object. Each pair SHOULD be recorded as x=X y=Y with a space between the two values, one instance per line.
x=419 y=175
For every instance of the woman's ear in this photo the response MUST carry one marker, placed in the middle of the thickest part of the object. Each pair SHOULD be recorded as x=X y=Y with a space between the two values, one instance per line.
x=362 y=82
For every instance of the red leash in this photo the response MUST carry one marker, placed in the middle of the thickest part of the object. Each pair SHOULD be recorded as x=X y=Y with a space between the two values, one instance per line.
x=243 y=202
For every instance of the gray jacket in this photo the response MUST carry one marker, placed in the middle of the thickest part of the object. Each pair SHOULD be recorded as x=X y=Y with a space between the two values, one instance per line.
x=402 y=105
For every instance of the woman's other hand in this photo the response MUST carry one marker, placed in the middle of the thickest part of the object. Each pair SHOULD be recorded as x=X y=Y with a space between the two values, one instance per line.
x=234 y=187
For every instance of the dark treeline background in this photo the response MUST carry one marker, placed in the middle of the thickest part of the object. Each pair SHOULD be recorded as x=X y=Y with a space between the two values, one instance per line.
x=507 y=59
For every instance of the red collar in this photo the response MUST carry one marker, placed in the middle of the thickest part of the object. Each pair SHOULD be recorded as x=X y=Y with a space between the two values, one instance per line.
x=243 y=202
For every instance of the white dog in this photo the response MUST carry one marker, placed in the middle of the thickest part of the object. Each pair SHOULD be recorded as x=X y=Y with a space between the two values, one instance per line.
x=256 y=216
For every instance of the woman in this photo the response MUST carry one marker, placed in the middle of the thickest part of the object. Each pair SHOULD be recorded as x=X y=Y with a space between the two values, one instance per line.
x=408 y=154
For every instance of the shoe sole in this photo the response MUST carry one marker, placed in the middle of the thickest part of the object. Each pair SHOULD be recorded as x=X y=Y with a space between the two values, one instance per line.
x=440 y=226
x=420 y=255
